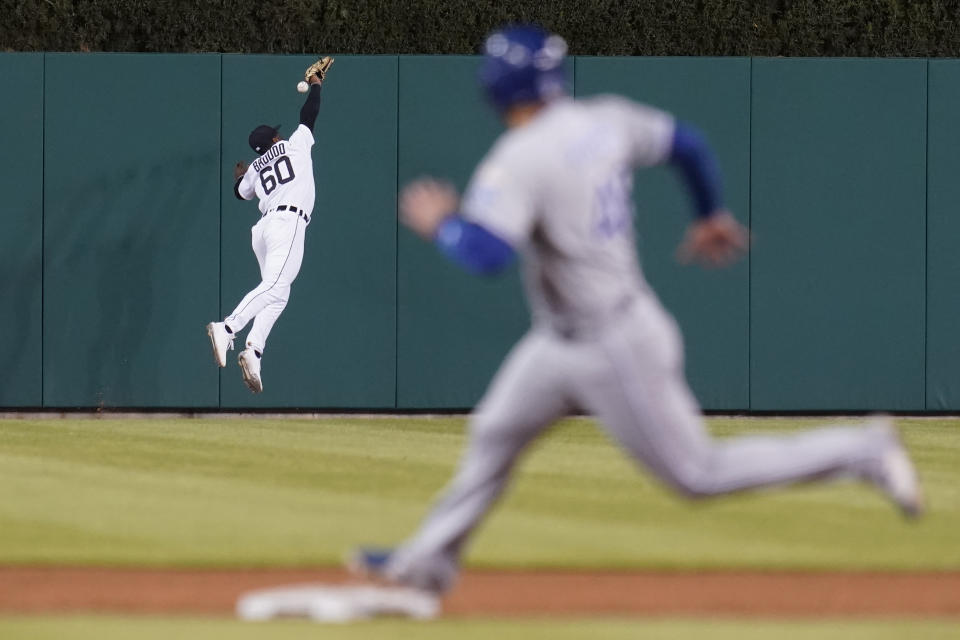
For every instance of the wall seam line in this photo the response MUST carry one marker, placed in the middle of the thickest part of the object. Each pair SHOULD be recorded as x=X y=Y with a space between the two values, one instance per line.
x=396 y=252
x=43 y=218
x=926 y=240
x=750 y=228
x=220 y=233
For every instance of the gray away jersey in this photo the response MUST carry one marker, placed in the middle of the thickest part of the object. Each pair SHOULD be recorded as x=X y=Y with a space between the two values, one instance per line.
x=283 y=174
x=559 y=190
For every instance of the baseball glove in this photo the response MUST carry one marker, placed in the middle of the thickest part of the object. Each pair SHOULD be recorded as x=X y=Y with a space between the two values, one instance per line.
x=319 y=68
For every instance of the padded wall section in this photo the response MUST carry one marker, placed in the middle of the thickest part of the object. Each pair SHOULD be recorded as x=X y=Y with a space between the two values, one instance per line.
x=124 y=238
x=943 y=230
x=21 y=182
x=453 y=328
x=131 y=244
x=838 y=198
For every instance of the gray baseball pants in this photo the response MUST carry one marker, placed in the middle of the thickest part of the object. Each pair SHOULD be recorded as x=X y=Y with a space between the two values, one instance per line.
x=630 y=377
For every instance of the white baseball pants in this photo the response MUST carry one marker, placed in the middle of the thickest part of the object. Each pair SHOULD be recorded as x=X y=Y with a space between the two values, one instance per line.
x=278 y=245
x=630 y=376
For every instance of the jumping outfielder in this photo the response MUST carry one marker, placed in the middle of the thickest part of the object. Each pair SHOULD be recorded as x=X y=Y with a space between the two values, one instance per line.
x=556 y=188
x=282 y=178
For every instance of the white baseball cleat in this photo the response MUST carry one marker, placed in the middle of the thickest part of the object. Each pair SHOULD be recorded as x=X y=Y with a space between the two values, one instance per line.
x=896 y=476
x=250 y=365
x=221 y=340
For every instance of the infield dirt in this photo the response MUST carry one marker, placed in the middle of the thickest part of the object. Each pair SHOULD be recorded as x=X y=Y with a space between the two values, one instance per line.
x=504 y=593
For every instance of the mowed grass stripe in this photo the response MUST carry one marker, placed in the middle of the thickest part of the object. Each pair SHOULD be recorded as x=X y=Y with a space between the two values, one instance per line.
x=117 y=628
x=240 y=492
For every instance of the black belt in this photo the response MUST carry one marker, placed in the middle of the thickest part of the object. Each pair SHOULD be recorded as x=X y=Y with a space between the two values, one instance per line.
x=291 y=209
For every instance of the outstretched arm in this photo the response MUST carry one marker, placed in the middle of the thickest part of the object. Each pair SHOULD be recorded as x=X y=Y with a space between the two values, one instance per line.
x=472 y=246
x=430 y=209
x=310 y=108
x=716 y=238
x=692 y=156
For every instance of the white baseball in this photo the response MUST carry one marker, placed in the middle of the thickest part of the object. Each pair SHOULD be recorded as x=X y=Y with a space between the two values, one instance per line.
x=302 y=86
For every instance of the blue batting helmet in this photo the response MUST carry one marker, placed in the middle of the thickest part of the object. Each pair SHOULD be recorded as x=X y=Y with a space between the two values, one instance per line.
x=523 y=63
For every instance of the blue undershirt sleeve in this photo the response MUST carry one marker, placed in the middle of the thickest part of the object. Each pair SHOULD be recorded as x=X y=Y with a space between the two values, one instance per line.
x=692 y=155
x=472 y=247
x=310 y=108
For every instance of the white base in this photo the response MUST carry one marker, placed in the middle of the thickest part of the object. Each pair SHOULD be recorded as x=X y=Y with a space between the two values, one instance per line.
x=337 y=603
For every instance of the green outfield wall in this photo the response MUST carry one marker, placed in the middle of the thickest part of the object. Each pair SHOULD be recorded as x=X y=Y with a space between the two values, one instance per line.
x=123 y=238
x=21 y=243
x=837 y=280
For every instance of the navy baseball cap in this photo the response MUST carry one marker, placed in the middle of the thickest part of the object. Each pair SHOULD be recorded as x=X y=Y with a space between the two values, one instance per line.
x=262 y=137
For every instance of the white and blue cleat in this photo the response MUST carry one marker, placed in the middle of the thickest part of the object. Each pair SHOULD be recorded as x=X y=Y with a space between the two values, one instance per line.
x=344 y=603
x=369 y=562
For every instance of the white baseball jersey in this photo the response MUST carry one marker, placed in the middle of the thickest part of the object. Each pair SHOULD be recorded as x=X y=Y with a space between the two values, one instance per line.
x=559 y=191
x=283 y=175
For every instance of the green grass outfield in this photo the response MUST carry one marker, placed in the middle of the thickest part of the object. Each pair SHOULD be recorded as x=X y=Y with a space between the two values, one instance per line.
x=117 y=628
x=284 y=492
